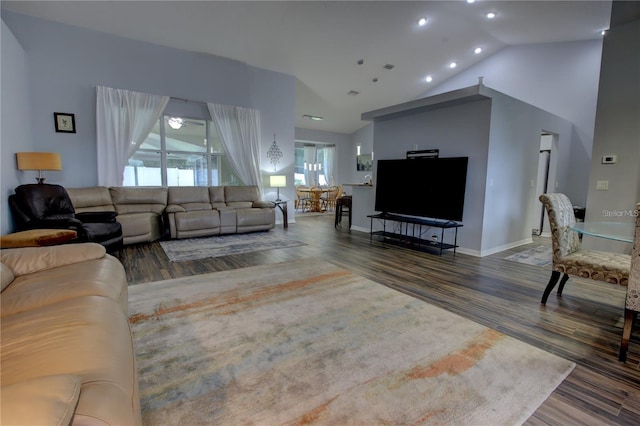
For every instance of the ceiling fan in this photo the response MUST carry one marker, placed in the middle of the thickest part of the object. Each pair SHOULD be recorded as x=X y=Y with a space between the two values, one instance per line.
x=177 y=123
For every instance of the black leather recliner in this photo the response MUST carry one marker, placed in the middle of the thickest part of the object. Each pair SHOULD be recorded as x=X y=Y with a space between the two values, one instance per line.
x=42 y=206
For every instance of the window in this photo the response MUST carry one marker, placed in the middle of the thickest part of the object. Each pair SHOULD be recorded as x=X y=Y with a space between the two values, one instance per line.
x=314 y=164
x=180 y=152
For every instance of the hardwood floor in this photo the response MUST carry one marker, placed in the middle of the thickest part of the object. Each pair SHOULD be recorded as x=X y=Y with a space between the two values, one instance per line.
x=583 y=326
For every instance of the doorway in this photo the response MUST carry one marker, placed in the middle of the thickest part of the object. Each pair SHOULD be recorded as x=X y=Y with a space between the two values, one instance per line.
x=540 y=225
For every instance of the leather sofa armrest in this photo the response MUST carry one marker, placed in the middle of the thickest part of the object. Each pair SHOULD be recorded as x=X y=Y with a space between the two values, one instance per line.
x=28 y=260
x=263 y=204
x=97 y=217
x=174 y=208
x=54 y=223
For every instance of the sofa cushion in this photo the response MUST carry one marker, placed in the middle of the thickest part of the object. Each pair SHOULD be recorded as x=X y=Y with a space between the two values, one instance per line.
x=216 y=195
x=198 y=196
x=101 y=277
x=95 y=199
x=6 y=276
x=139 y=199
x=47 y=400
x=37 y=238
x=234 y=194
x=33 y=259
x=87 y=337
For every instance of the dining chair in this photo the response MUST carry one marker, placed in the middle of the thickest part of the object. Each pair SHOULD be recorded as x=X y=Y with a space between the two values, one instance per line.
x=344 y=205
x=568 y=256
x=303 y=198
x=632 y=300
x=329 y=199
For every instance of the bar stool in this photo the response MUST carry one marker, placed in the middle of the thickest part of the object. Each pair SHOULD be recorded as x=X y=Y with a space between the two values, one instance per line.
x=343 y=206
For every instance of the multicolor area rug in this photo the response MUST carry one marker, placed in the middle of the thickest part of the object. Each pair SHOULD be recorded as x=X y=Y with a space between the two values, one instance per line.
x=223 y=245
x=539 y=256
x=305 y=342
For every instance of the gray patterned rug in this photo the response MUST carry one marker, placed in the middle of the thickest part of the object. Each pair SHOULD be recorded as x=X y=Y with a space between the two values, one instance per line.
x=539 y=256
x=224 y=245
x=308 y=343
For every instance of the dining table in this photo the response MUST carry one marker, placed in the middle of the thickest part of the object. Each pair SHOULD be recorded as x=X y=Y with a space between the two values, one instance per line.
x=315 y=195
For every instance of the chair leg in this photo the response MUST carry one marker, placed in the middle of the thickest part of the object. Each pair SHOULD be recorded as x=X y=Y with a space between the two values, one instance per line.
x=629 y=317
x=563 y=281
x=555 y=276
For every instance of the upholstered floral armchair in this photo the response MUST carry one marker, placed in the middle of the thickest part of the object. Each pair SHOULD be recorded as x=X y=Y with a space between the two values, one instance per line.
x=632 y=302
x=568 y=256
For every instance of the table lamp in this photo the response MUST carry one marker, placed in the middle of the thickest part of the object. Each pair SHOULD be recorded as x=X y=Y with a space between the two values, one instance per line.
x=38 y=161
x=278 y=181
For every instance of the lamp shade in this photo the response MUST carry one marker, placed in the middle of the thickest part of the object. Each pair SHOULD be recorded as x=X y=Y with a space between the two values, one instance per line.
x=38 y=161
x=278 y=181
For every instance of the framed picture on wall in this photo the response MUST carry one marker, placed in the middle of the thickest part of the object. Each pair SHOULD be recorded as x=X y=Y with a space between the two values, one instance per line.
x=65 y=122
x=364 y=163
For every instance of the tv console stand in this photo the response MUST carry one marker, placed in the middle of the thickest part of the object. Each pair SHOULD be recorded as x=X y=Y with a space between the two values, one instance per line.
x=411 y=240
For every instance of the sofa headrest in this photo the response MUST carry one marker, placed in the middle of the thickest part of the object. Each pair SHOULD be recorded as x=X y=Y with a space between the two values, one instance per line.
x=188 y=194
x=241 y=193
x=96 y=198
x=42 y=200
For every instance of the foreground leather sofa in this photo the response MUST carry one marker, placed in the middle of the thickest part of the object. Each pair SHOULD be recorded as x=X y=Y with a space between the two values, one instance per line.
x=66 y=352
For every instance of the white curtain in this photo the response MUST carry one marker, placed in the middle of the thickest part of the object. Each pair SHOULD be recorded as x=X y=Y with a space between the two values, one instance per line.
x=328 y=166
x=124 y=119
x=238 y=129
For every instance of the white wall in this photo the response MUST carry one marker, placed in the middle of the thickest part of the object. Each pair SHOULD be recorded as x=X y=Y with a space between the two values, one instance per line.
x=561 y=78
x=66 y=64
x=14 y=121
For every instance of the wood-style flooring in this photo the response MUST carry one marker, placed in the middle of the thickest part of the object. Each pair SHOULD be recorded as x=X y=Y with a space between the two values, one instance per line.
x=583 y=326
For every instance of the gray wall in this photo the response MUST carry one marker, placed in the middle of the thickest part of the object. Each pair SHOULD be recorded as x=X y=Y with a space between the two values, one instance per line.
x=66 y=63
x=457 y=131
x=617 y=131
x=512 y=169
x=561 y=78
x=16 y=127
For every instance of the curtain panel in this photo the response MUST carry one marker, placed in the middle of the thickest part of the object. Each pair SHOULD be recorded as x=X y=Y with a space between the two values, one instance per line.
x=238 y=129
x=124 y=119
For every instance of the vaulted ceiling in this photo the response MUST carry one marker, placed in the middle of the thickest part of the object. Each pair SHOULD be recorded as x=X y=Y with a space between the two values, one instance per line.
x=321 y=42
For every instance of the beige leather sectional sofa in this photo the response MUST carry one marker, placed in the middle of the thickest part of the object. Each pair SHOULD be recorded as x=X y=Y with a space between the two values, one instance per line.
x=67 y=354
x=149 y=213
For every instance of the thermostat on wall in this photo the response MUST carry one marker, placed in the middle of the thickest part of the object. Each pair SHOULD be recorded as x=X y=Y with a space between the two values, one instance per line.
x=609 y=159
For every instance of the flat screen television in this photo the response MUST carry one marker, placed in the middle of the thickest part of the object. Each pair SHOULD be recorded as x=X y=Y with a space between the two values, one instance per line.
x=426 y=187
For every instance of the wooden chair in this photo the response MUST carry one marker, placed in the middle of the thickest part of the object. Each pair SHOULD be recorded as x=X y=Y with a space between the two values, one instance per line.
x=568 y=256
x=303 y=199
x=329 y=200
x=632 y=302
x=343 y=206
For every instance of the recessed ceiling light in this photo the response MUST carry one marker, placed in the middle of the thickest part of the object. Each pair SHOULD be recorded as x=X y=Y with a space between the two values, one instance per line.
x=313 y=117
x=428 y=79
x=471 y=1
x=491 y=15
x=452 y=65
x=477 y=50
x=422 y=22
x=603 y=32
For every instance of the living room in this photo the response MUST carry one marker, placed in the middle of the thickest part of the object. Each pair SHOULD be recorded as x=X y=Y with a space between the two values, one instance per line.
x=49 y=67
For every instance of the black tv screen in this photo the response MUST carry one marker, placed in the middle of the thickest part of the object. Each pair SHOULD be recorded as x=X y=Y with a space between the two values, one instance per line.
x=425 y=187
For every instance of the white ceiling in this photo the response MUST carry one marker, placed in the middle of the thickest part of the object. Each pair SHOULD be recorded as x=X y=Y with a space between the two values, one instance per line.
x=320 y=42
